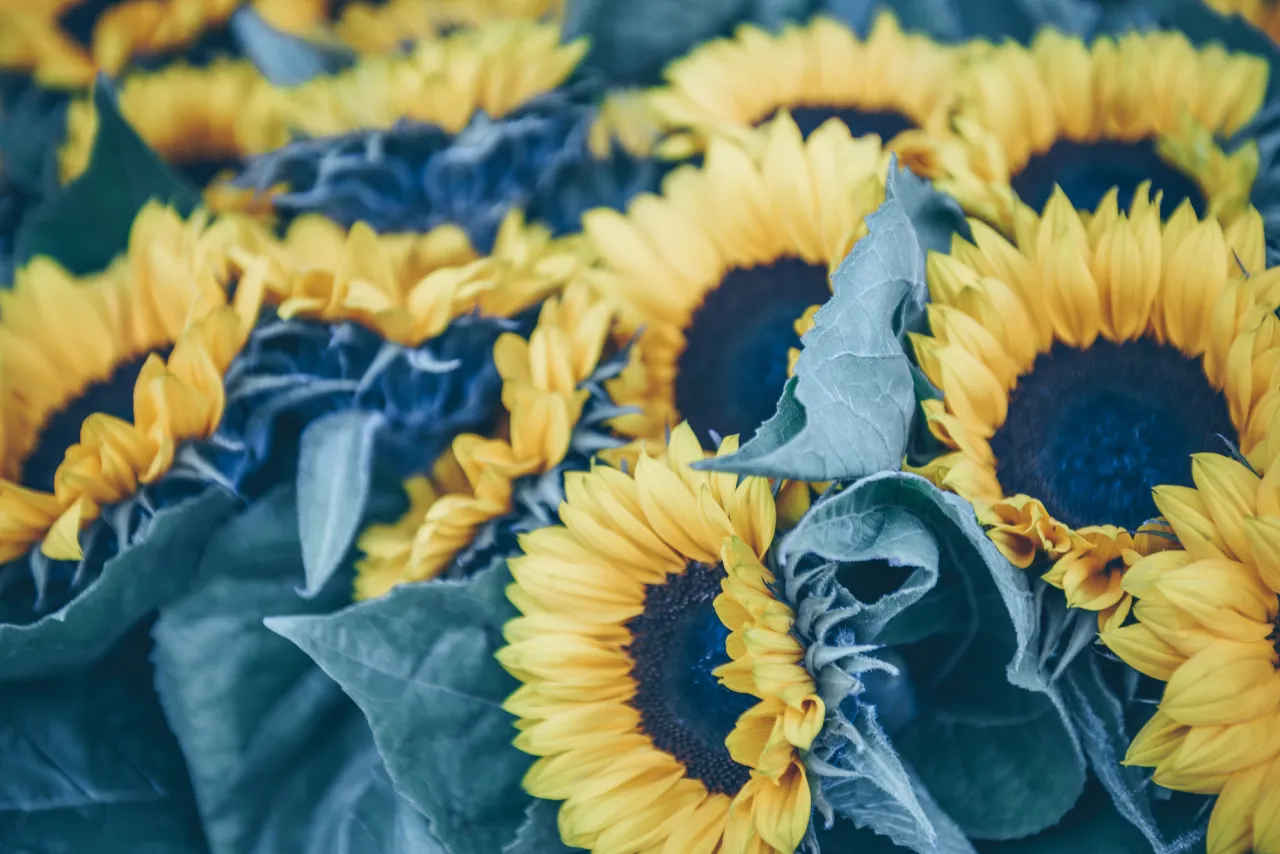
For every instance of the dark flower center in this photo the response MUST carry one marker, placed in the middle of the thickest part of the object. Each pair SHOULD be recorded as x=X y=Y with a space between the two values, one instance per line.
x=676 y=642
x=884 y=123
x=1090 y=432
x=734 y=364
x=1087 y=172
x=112 y=396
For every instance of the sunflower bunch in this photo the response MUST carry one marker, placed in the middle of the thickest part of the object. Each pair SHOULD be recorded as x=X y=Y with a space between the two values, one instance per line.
x=750 y=426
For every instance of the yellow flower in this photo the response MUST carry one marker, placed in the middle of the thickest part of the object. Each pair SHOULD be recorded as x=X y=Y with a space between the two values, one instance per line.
x=157 y=323
x=406 y=287
x=379 y=27
x=1083 y=362
x=1208 y=624
x=893 y=84
x=445 y=81
x=656 y=730
x=542 y=393
x=1141 y=106
x=33 y=39
x=715 y=271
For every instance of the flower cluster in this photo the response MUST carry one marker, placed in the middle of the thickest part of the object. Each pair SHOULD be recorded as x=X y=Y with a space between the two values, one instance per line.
x=522 y=426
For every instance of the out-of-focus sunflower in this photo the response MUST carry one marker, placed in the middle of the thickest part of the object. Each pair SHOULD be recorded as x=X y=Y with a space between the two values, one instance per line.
x=1208 y=624
x=664 y=693
x=544 y=393
x=444 y=81
x=1116 y=113
x=202 y=120
x=716 y=271
x=104 y=377
x=1263 y=14
x=1083 y=363
x=892 y=84
x=63 y=43
x=378 y=27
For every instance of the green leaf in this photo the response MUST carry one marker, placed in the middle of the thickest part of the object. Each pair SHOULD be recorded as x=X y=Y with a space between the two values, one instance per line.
x=848 y=410
x=631 y=42
x=997 y=782
x=968 y=659
x=419 y=662
x=87 y=223
x=89 y=764
x=539 y=833
x=335 y=469
x=1093 y=825
x=280 y=759
x=131 y=585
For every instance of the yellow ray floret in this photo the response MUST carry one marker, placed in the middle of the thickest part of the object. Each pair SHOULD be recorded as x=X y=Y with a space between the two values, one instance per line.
x=1208 y=624
x=1073 y=279
x=1018 y=101
x=33 y=40
x=167 y=294
x=405 y=287
x=728 y=86
x=444 y=81
x=543 y=396
x=785 y=197
x=578 y=588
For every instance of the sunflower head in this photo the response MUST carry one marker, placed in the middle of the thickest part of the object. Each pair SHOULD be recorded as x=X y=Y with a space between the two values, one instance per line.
x=1083 y=362
x=1117 y=112
x=664 y=694
x=133 y=369
x=715 y=271
x=1208 y=624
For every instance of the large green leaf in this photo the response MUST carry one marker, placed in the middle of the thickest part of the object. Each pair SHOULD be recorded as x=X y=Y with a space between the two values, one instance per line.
x=1093 y=826
x=87 y=223
x=132 y=584
x=419 y=662
x=89 y=765
x=848 y=411
x=280 y=759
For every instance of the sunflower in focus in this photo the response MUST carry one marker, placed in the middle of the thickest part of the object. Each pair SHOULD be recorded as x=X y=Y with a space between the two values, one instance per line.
x=1083 y=363
x=99 y=409
x=664 y=694
x=716 y=271
x=64 y=43
x=1116 y=113
x=1208 y=624
x=474 y=482
x=893 y=84
x=443 y=81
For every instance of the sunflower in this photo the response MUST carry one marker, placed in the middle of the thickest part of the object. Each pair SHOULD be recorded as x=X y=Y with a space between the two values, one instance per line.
x=1208 y=624
x=202 y=120
x=64 y=44
x=1083 y=363
x=664 y=694
x=379 y=27
x=443 y=81
x=892 y=84
x=1263 y=14
x=134 y=370
x=543 y=395
x=716 y=270
x=1141 y=107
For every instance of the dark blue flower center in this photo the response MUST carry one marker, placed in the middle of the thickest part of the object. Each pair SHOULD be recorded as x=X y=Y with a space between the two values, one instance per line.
x=1087 y=172
x=884 y=123
x=734 y=364
x=1090 y=432
x=676 y=642
x=112 y=396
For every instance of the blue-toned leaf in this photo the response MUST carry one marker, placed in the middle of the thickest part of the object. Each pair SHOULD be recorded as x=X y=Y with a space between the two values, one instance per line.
x=847 y=412
x=89 y=765
x=280 y=759
x=131 y=585
x=1093 y=826
x=420 y=663
x=335 y=470
x=284 y=59
x=539 y=834
x=87 y=224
